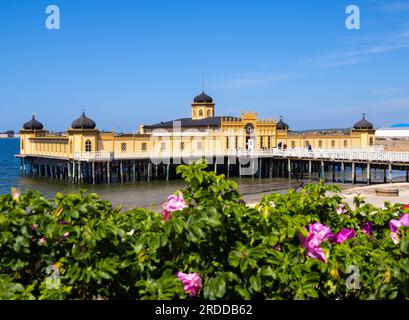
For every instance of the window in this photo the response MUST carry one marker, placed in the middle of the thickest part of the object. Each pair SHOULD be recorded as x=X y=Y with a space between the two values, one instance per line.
x=269 y=142
x=88 y=146
x=320 y=143
x=261 y=142
x=200 y=113
x=22 y=144
x=163 y=146
x=208 y=112
x=227 y=142
x=333 y=143
x=143 y=146
x=123 y=147
x=182 y=146
x=236 y=143
x=292 y=144
x=371 y=141
x=345 y=143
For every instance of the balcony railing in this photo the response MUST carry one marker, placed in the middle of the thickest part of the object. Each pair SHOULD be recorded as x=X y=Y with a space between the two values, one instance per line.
x=358 y=154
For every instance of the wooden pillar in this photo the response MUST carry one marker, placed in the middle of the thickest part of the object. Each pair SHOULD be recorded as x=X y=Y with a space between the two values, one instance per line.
x=368 y=173
x=167 y=172
x=93 y=172
x=260 y=166
x=289 y=168
x=239 y=164
x=134 y=171
x=333 y=171
x=228 y=167
x=353 y=173
x=79 y=172
x=69 y=170
x=323 y=170
x=390 y=173
x=149 y=171
x=252 y=168
x=270 y=173
x=309 y=169
x=109 y=172
x=342 y=172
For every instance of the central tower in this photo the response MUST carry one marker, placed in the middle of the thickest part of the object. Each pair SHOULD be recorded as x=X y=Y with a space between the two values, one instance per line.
x=202 y=107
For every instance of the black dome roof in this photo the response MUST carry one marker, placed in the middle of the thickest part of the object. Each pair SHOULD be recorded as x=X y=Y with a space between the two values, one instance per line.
x=281 y=125
x=83 y=122
x=363 y=124
x=203 y=97
x=33 y=124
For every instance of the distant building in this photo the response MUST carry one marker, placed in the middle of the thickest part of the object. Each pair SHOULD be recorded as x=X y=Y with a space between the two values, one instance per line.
x=397 y=131
x=7 y=134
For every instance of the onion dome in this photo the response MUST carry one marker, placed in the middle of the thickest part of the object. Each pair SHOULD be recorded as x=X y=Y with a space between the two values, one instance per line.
x=363 y=124
x=203 y=98
x=281 y=125
x=33 y=124
x=83 y=122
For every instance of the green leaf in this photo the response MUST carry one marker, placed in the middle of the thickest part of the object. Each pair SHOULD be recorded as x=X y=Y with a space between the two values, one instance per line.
x=215 y=288
x=255 y=283
x=404 y=246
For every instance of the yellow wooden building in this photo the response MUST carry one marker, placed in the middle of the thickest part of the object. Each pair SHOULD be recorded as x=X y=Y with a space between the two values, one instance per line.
x=203 y=131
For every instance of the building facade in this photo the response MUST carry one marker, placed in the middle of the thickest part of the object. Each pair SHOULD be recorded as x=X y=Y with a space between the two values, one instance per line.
x=203 y=132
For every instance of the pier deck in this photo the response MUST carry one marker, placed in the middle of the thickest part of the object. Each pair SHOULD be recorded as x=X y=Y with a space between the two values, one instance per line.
x=106 y=167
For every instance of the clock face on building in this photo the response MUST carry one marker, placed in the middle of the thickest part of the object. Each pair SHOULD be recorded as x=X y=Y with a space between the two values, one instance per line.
x=249 y=128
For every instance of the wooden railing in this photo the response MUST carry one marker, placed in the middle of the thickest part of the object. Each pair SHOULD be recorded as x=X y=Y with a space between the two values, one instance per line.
x=370 y=155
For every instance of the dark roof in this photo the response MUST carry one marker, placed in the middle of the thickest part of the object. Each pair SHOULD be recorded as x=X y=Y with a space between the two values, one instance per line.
x=189 y=123
x=281 y=125
x=363 y=124
x=203 y=97
x=33 y=124
x=83 y=122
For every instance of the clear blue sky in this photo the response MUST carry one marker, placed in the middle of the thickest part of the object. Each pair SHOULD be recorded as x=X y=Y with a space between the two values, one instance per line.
x=134 y=62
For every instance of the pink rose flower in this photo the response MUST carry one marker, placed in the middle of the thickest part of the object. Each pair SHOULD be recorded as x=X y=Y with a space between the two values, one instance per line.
x=394 y=225
x=345 y=234
x=317 y=234
x=15 y=194
x=42 y=241
x=191 y=282
x=367 y=228
x=66 y=235
x=342 y=209
x=173 y=203
x=34 y=227
x=320 y=231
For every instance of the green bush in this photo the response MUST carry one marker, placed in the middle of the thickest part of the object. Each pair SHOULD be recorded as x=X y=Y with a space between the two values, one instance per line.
x=238 y=252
